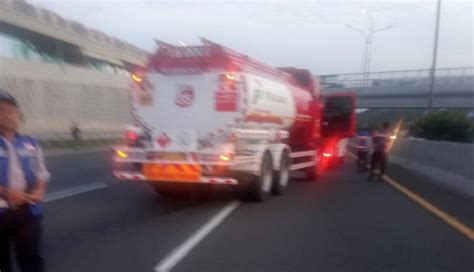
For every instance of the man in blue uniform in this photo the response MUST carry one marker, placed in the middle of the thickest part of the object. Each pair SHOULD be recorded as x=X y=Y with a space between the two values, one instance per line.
x=23 y=180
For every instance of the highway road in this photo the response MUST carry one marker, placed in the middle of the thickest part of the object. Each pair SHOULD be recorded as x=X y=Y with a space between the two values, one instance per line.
x=342 y=223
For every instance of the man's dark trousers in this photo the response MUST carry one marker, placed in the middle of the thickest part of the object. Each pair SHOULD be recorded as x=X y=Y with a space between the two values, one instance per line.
x=22 y=228
x=379 y=157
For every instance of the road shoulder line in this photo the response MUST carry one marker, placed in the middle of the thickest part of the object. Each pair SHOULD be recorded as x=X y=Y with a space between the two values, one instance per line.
x=448 y=219
x=444 y=216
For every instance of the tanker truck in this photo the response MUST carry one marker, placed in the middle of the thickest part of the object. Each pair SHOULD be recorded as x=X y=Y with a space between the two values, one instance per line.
x=208 y=115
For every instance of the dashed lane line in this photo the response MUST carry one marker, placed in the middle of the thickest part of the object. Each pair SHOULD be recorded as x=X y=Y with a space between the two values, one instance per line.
x=180 y=252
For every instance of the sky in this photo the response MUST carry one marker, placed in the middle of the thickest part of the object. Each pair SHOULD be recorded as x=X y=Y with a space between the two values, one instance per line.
x=306 y=34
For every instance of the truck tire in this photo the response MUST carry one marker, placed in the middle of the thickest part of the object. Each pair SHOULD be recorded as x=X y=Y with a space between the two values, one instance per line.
x=262 y=184
x=281 y=177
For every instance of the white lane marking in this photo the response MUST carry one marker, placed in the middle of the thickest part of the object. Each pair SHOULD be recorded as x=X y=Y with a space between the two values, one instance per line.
x=74 y=191
x=180 y=252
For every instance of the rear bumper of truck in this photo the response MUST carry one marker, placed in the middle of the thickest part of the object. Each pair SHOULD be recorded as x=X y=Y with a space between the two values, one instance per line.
x=138 y=176
x=205 y=168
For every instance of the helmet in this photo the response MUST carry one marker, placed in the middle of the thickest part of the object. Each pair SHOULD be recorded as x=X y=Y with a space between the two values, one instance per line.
x=7 y=98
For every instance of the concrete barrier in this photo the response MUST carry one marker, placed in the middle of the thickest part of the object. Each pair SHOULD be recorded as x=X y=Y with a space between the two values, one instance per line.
x=448 y=164
x=51 y=97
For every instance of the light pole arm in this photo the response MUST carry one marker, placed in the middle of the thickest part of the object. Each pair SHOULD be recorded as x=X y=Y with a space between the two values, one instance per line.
x=379 y=30
x=382 y=29
x=358 y=30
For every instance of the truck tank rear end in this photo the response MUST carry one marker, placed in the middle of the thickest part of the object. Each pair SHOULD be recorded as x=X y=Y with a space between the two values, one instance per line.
x=207 y=114
x=202 y=93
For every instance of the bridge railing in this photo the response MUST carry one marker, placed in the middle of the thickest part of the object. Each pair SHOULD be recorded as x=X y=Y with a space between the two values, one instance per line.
x=85 y=136
x=58 y=140
x=443 y=76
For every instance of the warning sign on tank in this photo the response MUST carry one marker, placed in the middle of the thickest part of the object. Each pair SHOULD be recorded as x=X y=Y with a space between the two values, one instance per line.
x=226 y=96
x=226 y=101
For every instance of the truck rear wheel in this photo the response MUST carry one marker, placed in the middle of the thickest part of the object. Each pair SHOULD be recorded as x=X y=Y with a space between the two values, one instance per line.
x=263 y=184
x=282 y=177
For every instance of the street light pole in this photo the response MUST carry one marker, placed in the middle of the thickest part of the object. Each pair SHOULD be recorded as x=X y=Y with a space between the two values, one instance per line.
x=368 y=36
x=369 y=58
x=435 y=58
x=366 y=46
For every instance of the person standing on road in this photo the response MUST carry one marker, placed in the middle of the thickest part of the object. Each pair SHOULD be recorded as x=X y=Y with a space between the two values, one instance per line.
x=23 y=181
x=363 y=146
x=76 y=134
x=379 y=155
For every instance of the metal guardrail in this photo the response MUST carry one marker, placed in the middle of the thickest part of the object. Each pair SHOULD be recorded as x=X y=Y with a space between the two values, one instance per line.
x=67 y=137
x=443 y=76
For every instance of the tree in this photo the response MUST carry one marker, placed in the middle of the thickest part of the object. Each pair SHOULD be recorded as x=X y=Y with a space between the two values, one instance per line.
x=444 y=126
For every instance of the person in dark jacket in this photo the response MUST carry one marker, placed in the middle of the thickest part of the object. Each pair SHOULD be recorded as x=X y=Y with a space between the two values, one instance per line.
x=380 y=141
x=23 y=181
x=76 y=134
x=363 y=147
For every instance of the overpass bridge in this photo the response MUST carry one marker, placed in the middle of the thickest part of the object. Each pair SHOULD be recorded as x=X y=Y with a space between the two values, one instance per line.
x=62 y=71
x=51 y=34
x=454 y=88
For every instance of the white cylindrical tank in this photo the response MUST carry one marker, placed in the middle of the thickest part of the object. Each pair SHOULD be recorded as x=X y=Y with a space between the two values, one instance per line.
x=209 y=105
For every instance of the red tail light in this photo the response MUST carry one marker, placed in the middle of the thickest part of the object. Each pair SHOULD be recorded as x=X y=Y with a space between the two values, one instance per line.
x=327 y=155
x=132 y=136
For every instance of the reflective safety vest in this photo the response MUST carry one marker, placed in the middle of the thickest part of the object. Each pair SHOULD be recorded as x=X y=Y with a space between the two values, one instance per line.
x=363 y=140
x=26 y=149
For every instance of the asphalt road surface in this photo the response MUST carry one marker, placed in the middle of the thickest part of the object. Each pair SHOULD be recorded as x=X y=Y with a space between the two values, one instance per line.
x=342 y=223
